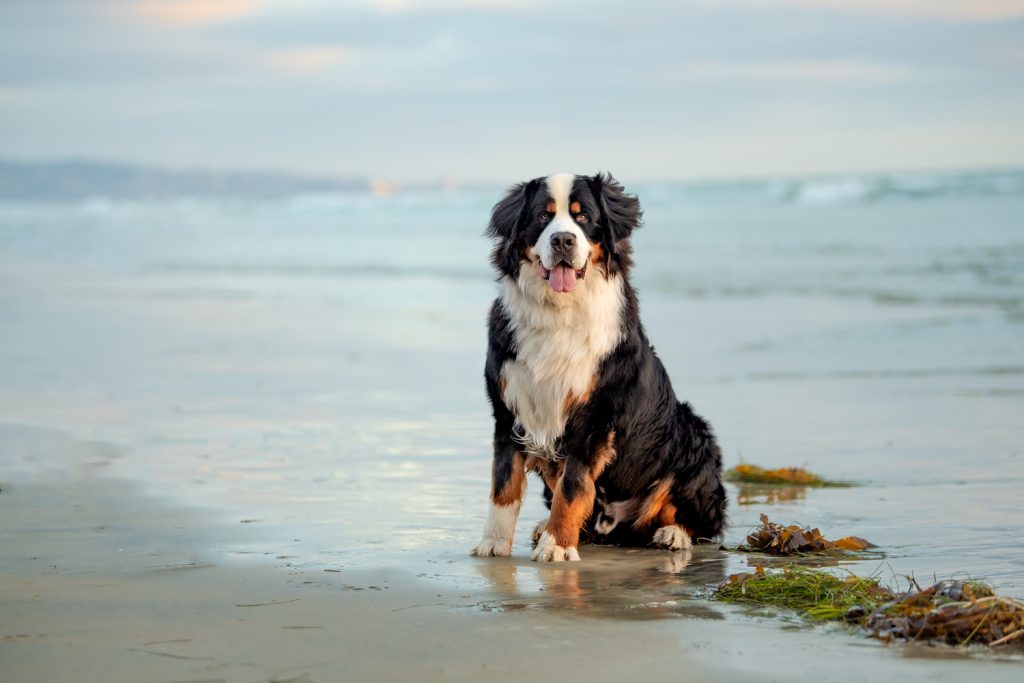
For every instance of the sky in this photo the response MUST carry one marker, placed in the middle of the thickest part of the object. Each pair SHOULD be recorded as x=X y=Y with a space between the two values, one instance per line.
x=499 y=90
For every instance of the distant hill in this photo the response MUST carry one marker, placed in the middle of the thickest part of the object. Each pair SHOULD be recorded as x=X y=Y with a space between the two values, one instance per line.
x=74 y=180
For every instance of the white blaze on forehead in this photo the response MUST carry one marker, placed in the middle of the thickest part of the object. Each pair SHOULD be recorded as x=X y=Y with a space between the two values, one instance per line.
x=560 y=189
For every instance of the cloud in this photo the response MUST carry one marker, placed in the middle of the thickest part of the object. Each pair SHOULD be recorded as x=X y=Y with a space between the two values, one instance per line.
x=308 y=59
x=190 y=12
x=954 y=10
x=830 y=71
x=395 y=6
x=13 y=95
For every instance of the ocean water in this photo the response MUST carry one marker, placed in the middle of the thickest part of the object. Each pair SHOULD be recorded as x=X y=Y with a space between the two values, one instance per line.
x=313 y=365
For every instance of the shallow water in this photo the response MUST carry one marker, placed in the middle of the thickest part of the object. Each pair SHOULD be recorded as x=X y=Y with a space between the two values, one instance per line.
x=309 y=370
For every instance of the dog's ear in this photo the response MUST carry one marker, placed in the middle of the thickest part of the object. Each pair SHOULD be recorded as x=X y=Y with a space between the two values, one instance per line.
x=507 y=219
x=620 y=215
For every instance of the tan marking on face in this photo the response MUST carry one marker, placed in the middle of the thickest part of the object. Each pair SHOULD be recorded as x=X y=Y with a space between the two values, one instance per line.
x=513 y=490
x=550 y=208
x=597 y=257
x=656 y=500
x=575 y=207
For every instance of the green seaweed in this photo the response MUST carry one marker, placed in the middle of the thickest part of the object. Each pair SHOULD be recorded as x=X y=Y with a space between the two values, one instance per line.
x=816 y=594
x=792 y=476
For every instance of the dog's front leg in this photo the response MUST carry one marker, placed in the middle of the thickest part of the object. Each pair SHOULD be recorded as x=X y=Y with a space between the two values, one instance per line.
x=572 y=498
x=508 y=486
x=571 y=503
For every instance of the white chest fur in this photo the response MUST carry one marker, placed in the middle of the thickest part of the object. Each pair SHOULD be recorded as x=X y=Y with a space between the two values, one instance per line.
x=561 y=340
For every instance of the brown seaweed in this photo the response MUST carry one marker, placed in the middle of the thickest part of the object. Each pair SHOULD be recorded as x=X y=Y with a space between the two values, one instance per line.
x=953 y=612
x=777 y=539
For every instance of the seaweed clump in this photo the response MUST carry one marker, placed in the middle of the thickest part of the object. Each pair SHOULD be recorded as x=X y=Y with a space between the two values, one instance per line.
x=816 y=594
x=951 y=612
x=777 y=539
x=794 y=476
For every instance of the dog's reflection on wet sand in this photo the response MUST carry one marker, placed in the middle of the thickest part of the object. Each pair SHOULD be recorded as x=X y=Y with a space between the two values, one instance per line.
x=630 y=583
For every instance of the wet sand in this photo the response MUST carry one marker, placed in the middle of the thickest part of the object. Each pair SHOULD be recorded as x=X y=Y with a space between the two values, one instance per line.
x=99 y=582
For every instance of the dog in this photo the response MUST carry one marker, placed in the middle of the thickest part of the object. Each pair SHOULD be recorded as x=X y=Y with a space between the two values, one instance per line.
x=577 y=392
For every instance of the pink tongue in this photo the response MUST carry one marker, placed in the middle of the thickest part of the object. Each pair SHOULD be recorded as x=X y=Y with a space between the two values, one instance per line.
x=563 y=279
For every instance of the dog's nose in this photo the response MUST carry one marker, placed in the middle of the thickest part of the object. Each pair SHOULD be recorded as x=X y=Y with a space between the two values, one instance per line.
x=563 y=241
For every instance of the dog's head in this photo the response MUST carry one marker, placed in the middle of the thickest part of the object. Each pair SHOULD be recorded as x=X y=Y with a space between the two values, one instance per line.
x=561 y=228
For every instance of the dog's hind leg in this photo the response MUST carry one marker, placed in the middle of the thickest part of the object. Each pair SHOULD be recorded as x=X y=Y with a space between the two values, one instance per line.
x=672 y=537
x=700 y=497
x=538 y=530
x=660 y=512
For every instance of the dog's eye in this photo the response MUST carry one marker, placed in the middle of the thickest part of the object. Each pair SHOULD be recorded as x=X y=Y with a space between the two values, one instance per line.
x=543 y=216
x=582 y=218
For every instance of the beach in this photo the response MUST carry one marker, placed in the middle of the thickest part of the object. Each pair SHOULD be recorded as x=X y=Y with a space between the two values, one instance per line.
x=248 y=440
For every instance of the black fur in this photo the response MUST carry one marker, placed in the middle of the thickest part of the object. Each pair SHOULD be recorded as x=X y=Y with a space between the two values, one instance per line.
x=621 y=215
x=656 y=436
x=505 y=444
x=506 y=227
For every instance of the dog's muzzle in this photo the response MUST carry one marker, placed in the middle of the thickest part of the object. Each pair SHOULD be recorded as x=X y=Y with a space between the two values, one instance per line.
x=562 y=276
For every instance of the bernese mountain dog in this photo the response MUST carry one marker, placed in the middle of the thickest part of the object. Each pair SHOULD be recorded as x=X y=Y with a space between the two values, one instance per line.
x=577 y=392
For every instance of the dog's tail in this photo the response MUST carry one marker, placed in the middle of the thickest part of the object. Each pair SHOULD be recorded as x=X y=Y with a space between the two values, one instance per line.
x=701 y=505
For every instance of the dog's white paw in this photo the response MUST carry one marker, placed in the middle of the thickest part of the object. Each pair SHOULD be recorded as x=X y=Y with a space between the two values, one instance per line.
x=498 y=531
x=672 y=538
x=539 y=530
x=493 y=547
x=549 y=551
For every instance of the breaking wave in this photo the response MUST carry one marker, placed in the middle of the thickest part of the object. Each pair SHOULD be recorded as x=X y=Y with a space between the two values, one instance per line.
x=852 y=189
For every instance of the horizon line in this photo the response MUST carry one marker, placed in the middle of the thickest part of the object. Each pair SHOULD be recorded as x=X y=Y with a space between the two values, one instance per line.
x=451 y=182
